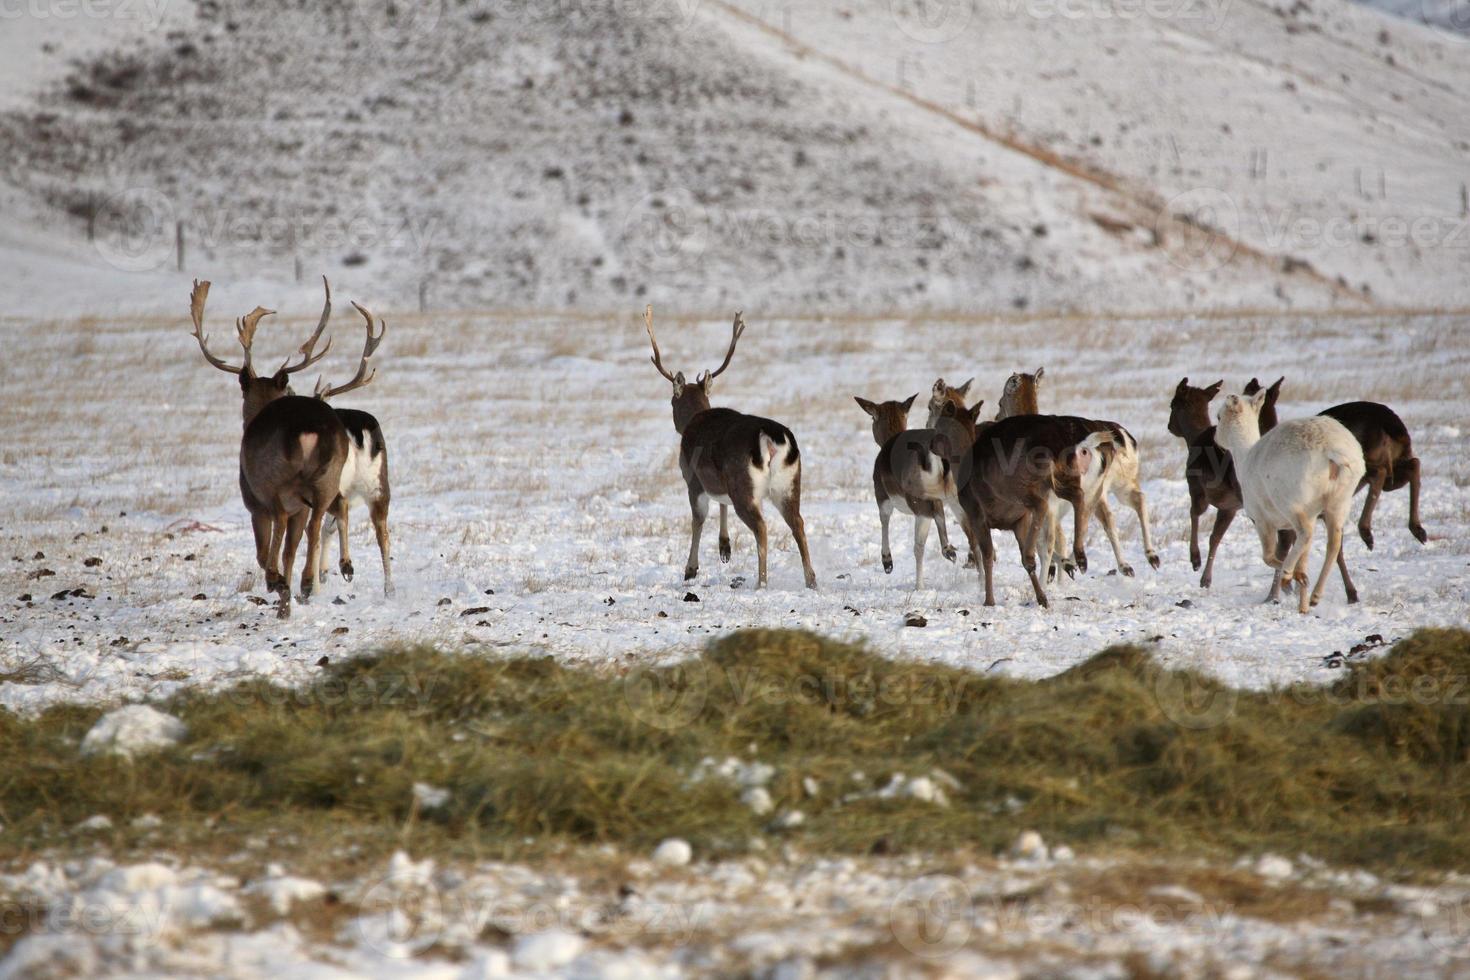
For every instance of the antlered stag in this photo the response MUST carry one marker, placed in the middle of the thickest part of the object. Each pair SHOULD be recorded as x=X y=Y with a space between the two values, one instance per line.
x=735 y=460
x=291 y=454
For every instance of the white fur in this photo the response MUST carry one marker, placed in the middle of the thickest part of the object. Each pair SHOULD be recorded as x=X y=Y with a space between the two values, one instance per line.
x=362 y=474
x=1298 y=472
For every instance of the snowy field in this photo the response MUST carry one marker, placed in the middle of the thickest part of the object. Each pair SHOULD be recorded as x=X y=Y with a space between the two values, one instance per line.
x=538 y=506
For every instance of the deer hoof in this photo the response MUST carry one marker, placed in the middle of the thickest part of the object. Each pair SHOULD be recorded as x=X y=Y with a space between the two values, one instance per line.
x=283 y=610
x=346 y=568
x=1352 y=598
x=1417 y=530
x=1366 y=533
x=690 y=571
x=725 y=550
x=1194 y=562
x=1153 y=560
x=1127 y=570
x=811 y=581
x=1204 y=581
x=273 y=583
x=1081 y=562
x=950 y=553
x=389 y=589
x=888 y=564
x=1051 y=574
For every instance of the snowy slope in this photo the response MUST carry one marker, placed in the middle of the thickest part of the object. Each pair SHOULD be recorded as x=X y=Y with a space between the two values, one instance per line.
x=802 y=158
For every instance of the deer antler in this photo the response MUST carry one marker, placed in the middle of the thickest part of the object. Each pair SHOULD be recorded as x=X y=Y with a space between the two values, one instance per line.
x=736 y=330
x=197 y=299
x=307 y=360
x=245 y=330
x=362 y=377
x=657 y=358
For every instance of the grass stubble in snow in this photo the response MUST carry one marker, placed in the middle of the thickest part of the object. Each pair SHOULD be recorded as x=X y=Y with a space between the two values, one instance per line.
x=785 y=746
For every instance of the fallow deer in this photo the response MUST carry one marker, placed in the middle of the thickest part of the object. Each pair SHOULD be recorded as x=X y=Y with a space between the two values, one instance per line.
x=918 y=471
x=1299 y=471
x=365 y=474
x=1388 y=454
x=1118 y=478
x=943 y=394
x=1016 y=466
x=735 y=460
x=291 y=453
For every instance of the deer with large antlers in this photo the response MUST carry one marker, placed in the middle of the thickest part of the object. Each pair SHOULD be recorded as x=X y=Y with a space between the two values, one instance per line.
x=365 y=473
x=291 y=452
x=735 y=460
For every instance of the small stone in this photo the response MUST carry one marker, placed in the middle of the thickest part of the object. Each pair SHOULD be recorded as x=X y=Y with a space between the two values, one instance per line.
x=444 y=601
x=690 y=597
x=915 y=620
x=38 y=556
x=662 y=614
x=324 y=662
x=92 y=562
x=1029 y=847
x=200 y=597
x=474 y=611
x=1185 y=604
x=340 y=631
x=673 y=853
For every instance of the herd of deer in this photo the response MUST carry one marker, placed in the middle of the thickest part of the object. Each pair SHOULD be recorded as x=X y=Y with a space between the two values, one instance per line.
x=302 y=463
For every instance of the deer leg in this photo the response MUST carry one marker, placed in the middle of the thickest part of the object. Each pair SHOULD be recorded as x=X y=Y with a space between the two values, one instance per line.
x=699 y=510
x=1223 y=518
x=1347 y=582
x=1134 y=498
x=1334 y=552
x=724 y=533
x=885 y=512
x=295 y=524
x=1079 y=531
x=274 y=581
x=263 y=527
x=977 y=532
x=921 y=535
x=1299 y=547
x=945 y=548
x=750 y=515
x=1272 y=559
x=1105 y=515
x=1410 y=467
x=341 y=506
x=1197 y=508
x=1026 y=532
x=313 y=551
x=791 y=514
x=378 y=512
x=1375 y=488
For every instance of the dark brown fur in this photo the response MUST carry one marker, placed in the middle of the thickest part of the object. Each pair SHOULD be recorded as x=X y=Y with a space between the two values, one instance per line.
x=1388 y=452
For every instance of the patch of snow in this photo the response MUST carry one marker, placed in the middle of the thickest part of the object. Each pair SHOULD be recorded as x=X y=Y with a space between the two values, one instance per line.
x=132 y=730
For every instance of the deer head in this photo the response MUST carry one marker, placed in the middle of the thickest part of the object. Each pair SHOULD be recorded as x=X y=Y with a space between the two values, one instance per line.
x=1020 y=395
x=1268 y=407
x=889 y=418
x=691 y=399
x=943 y=393
x=256 y=391
x=1189 y=411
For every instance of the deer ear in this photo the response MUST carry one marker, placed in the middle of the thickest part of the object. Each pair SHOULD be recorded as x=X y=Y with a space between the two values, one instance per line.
x=1275 y=389
x=866 y=406
x=1040 y=372
x=964 y=389
x=1257 y=400
x=1213 y=389
x=1183 y=384
x=908 y=402
x=974 y=410
x=281 y=380
x=1251 y=387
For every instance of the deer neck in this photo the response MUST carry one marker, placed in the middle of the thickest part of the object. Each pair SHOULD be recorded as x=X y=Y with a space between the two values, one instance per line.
x=1238 y=435
x=1020 y=402
x=687 y=405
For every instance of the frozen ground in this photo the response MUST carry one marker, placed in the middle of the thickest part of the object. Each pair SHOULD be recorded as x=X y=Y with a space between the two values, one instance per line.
x=778 y=915
x=538 y=507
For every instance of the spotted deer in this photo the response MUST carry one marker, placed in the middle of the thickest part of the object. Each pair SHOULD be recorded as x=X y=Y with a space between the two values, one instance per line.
x=365 y=474
x=292 y=452
x=917 y=471
x=736 y=460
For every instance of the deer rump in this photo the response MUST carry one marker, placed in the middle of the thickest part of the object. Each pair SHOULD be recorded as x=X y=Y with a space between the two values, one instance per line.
x=367 y=455
x=295 y=445
x=1384 y=438
x=738 y=459
x=917 y=466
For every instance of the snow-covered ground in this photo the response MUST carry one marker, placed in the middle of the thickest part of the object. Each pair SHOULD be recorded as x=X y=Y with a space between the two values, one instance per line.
x=538 y=507
x=779 y=915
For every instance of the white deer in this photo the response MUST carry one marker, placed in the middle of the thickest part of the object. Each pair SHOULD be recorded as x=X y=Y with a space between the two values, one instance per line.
x=1299 y=471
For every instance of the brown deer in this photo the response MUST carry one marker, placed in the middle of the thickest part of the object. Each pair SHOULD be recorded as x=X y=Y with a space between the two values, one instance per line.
x=1209 y=470
x=1388 y=453
x=365 y=474
x=291 y=453
x=1016 y=466
x=735 y=460
x=1019 y=397
x=943 y=394
x=917 y=471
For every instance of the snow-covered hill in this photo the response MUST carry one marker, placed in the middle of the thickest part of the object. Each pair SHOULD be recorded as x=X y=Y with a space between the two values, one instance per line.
x=703 y=154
